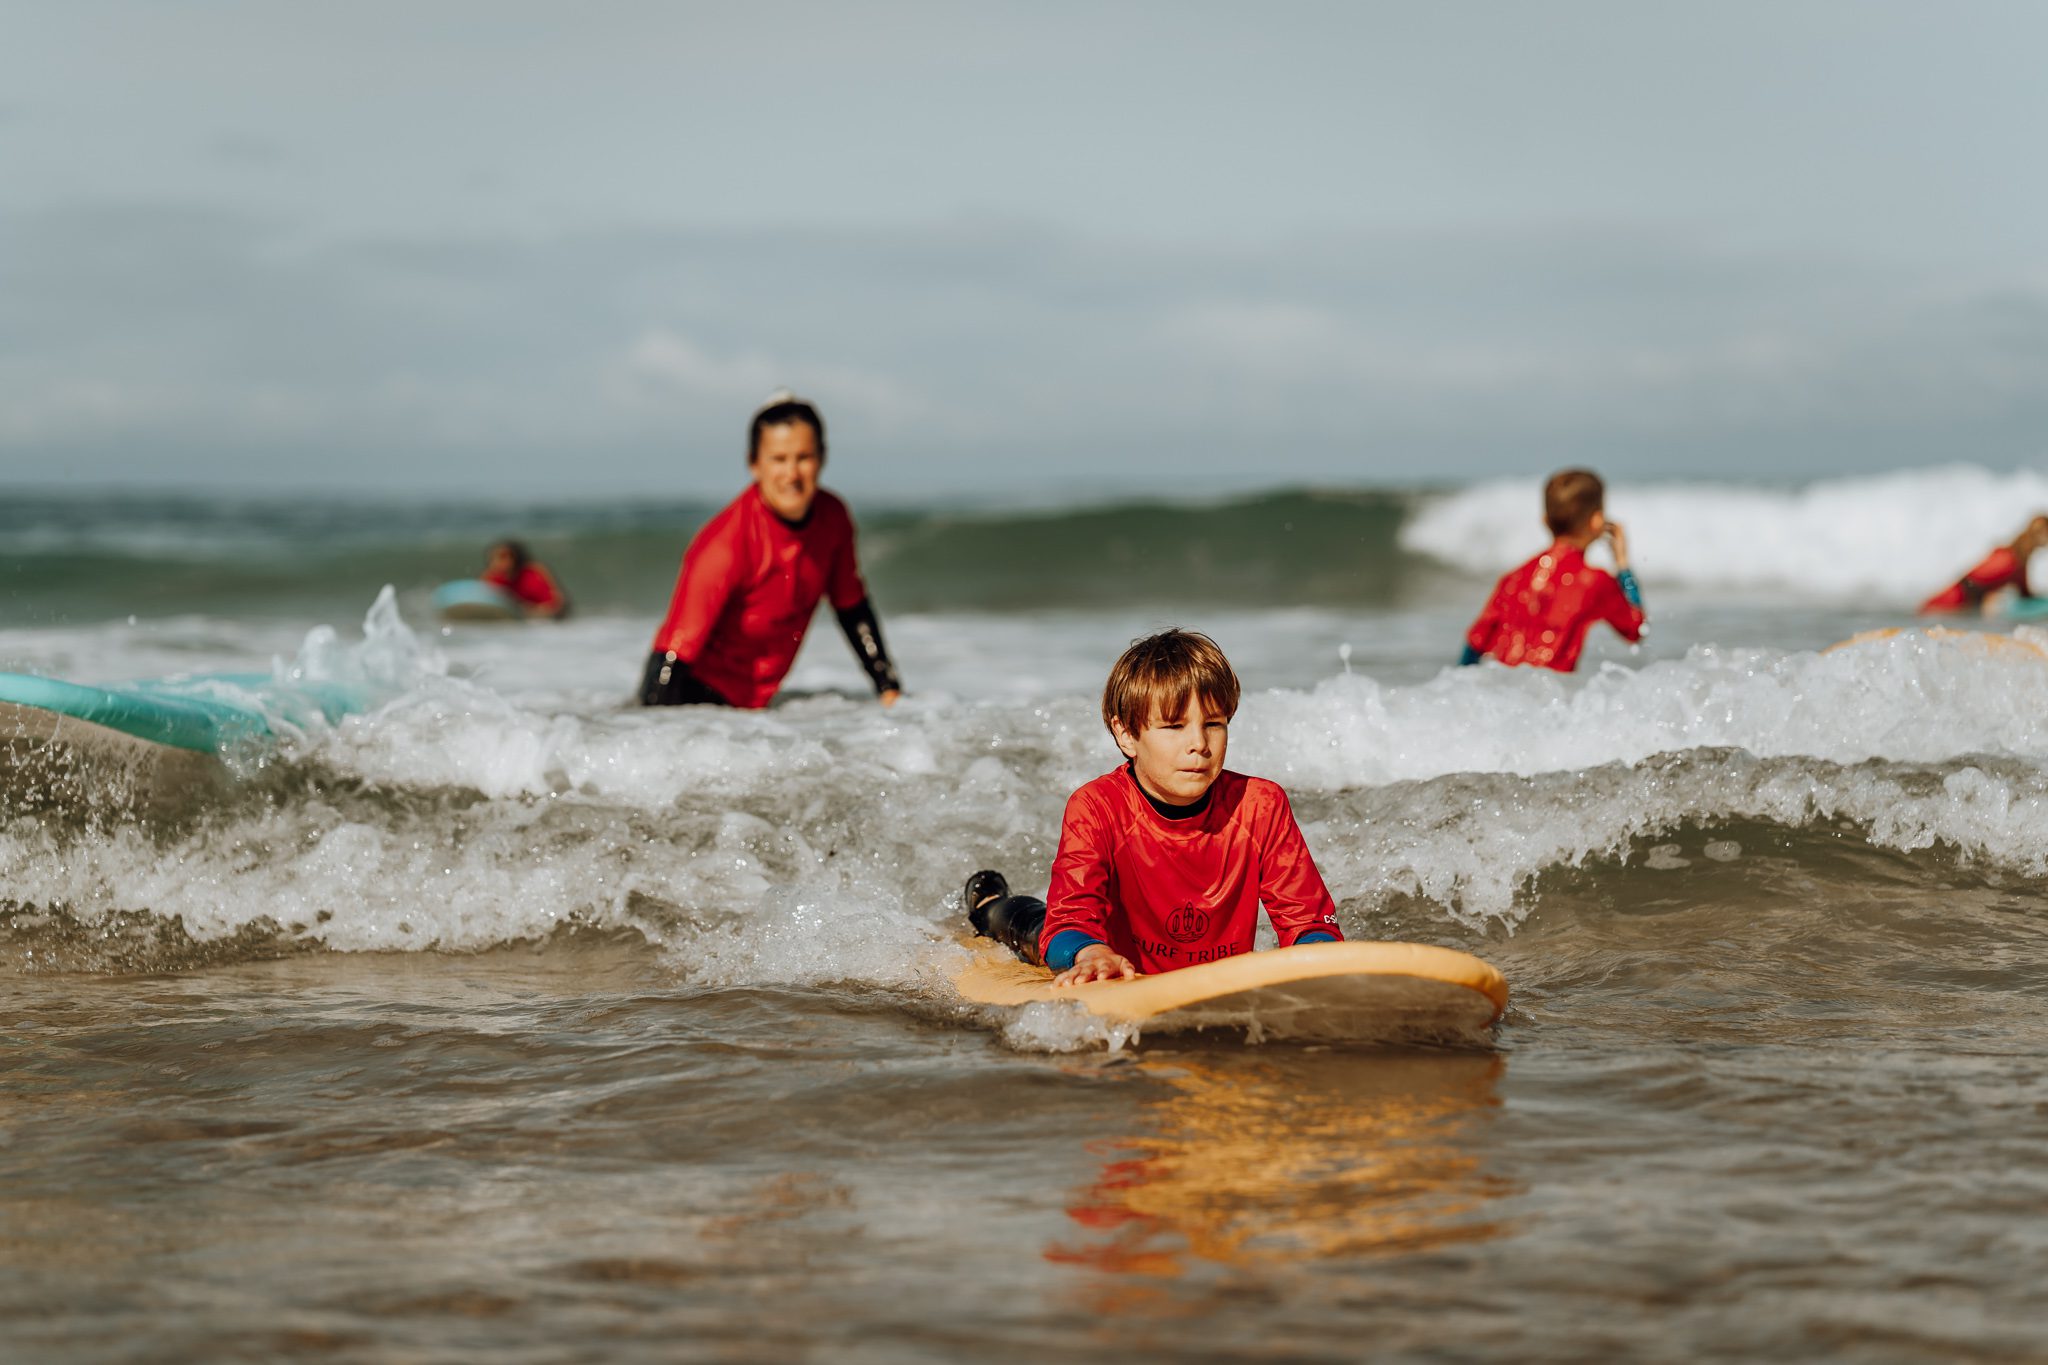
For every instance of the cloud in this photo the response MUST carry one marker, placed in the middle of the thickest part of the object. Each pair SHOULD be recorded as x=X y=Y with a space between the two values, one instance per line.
x=662 y=363
x=665 y=369
x=151 y=342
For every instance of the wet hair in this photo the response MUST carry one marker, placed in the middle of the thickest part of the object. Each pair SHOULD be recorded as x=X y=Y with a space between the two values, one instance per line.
x=520 y=557
x=1158 y=674
x=1570 y=499
x=783 y=408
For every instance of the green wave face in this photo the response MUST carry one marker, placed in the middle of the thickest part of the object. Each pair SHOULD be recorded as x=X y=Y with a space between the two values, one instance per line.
x=78 y=565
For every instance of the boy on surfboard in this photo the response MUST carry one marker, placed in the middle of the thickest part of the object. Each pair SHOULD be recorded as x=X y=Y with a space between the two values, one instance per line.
x=1539 y=614
x=1164 y=861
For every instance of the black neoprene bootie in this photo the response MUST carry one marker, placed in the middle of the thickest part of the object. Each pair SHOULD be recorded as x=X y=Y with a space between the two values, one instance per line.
x=982 y=890
x=1013 y=921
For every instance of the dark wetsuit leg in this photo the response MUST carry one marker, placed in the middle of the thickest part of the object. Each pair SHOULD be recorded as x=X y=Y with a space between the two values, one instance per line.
x=1014 y=922
x=669 y=682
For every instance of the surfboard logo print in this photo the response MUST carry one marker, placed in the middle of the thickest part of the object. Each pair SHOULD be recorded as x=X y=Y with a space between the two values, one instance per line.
x=1187 y=924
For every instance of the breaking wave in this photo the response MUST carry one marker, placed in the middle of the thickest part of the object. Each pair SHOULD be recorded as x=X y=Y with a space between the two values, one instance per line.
x=823 y=841
x=1890 y=538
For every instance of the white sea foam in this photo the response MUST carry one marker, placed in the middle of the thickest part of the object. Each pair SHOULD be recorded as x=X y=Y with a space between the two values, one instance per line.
x=1472 y=844
x=1913 y=697
x=715 y=827
x=742 y=900
x=822 y=842
x=1892 y=537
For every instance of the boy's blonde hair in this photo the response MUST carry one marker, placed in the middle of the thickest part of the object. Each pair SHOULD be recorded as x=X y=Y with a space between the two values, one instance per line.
x=1160 y=672
x=1570 y=499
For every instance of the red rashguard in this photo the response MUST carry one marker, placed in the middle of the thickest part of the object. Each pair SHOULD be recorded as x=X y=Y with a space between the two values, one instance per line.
x=535 y=586
x=1173 y=893
x=2000 y=568
x=749 y=586
x=1539 y=614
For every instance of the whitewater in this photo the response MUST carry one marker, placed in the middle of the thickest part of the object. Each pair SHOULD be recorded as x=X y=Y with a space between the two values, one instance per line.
x=1890 y=538
x=500 y=788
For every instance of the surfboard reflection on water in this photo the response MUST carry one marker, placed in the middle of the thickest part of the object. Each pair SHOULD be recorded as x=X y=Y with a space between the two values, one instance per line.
x=1279 y=1160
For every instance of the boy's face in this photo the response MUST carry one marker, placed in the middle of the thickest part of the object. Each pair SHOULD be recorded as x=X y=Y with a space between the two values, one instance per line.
x=1177 y=757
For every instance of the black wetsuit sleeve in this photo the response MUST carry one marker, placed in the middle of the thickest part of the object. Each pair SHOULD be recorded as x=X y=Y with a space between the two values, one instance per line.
x=864 y=633
x=669 y=682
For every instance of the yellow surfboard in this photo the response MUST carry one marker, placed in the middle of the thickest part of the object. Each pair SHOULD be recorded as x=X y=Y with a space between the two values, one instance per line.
x=1354 y=992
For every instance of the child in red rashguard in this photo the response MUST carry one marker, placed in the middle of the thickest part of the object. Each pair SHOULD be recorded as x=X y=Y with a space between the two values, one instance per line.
x=1539 y=614
x=2005 y=566
x=515 y=570
x=1164 y=861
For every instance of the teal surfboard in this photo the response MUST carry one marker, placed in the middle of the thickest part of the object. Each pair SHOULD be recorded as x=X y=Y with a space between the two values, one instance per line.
x=201 y=714
x=2026 y=609
x=472 y=599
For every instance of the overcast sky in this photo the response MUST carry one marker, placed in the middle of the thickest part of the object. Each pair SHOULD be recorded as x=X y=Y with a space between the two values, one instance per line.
x=519 y=248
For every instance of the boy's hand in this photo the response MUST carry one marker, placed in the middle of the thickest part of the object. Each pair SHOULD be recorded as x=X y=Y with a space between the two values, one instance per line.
x=1619 y=540
x=1096 y=962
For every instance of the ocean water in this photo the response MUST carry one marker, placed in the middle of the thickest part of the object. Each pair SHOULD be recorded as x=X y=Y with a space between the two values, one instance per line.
x=507 y=1018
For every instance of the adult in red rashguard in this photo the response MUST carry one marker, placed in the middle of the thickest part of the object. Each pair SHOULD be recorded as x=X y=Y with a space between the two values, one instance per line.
x=2004 y=567
x=526 y=578
x=1164 y=862
x=1539 y=613
x=753 y=577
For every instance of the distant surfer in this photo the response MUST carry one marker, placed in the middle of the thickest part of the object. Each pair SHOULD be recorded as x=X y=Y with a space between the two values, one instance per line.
x=1539 y=614
x=2004 y=567
x=515 y=571
x=752 y=578
x=1164 y=861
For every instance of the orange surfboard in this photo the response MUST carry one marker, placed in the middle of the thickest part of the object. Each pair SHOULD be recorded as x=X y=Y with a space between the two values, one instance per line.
x=1353 y=992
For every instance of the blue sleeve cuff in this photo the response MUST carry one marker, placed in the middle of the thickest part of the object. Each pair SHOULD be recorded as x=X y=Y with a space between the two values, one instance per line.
x=1316 y=936
x=1066 y=945
x=1469 y=657
x=1630 y=588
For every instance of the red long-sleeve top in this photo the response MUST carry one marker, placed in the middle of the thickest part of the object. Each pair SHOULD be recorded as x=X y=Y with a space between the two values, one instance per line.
x=534 y=587
x=2000 y=568
x=749 y=585
x=1539 y=614
x=1174 y=893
